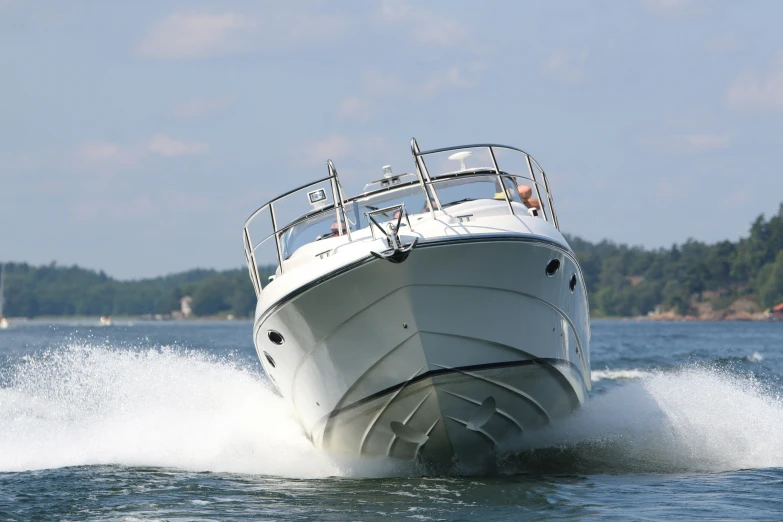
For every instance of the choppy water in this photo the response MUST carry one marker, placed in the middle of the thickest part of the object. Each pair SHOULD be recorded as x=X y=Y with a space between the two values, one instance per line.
x=175 y=421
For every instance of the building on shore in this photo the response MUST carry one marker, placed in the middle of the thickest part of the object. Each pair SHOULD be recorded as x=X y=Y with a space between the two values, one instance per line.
x=185 y=306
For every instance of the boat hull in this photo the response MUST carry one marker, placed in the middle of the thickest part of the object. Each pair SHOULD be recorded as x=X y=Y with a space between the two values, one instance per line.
x=456 y=352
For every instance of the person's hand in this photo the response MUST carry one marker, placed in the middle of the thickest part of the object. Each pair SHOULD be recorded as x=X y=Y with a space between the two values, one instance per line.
x=525 y=192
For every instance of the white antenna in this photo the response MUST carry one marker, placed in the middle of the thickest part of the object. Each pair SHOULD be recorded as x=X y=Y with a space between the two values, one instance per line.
x=460 y=156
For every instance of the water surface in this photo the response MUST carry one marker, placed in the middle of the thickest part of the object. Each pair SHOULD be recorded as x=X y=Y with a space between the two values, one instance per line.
x=176 y=421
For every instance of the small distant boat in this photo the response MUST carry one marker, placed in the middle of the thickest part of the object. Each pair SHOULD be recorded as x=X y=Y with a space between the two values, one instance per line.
x=3 y=321
x=105 y=320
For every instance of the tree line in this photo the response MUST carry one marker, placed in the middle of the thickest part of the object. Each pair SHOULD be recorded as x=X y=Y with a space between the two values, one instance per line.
x=630 y=281
x=621 y=281
x=53 y=290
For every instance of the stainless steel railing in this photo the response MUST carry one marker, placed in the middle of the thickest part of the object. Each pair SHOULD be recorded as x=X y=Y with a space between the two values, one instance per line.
x=532 y=165
x=429 y=186
x=338 y=204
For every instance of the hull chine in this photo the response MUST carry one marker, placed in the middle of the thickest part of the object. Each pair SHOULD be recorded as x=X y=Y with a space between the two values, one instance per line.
x=465 y=413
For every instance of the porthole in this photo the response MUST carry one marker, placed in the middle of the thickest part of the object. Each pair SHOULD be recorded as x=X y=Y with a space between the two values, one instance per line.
x=572 y=283
x=552 y=267
x=275 y=337
x=270 y=359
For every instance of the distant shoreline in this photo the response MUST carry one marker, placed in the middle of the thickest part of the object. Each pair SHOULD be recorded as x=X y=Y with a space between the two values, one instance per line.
x=125 y=318
x=662 y=317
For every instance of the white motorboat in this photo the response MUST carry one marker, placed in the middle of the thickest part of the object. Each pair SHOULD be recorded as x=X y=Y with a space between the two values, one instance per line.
x=3 y=321
x=437 y=315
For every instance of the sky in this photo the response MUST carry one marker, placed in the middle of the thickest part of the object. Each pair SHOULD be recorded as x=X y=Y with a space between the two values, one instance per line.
x=137 y=137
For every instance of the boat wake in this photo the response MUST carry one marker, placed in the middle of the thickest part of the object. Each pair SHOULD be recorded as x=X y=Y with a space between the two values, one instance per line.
x=97 y=405
x=91 y=405
x=619 y=375
x=693 y=419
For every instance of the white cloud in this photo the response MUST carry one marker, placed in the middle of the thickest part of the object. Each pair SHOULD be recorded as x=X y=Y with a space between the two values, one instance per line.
x=190 y=36
x=119 y=209
x=676 y=8
x=195 y=35
x=196 y=107
x=459 y=76
x=758 y=91
x=725 y=42
x=666 y=5
x=331 y=147
x=702 y=142
x=567 y=66
x=164 y=146
x=300 y=25
x=427 y=27
x=379 y=89
x=113 y=154
x=689 y=143
x=108 y=153
x=339 y=146
x=355 y=109
x=381 y=84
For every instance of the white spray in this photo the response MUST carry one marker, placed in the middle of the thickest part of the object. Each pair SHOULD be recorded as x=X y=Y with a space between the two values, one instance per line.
x=89 y=405
x=694 y=419
x=86 y=405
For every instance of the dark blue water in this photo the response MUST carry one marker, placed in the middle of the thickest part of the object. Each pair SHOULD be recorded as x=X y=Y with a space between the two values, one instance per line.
x=175 y=421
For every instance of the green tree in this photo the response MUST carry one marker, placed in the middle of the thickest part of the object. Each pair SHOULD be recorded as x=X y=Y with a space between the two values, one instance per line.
x=770 y=282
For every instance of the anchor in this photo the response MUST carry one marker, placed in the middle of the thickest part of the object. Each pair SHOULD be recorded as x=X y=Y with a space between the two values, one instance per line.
x=397 y=252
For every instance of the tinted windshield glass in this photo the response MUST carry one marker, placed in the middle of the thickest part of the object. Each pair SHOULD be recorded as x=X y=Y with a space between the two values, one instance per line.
x=412 y=197
x=321 y=226
x=470 y=187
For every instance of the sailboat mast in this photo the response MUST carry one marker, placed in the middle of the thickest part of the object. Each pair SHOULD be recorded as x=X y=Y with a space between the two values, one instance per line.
x=2 y=284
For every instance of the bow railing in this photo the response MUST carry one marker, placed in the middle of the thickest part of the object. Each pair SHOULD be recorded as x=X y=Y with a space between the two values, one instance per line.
x=445 y=177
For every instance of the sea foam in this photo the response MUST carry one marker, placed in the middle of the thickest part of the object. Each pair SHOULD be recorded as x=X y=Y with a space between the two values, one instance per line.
x=162 y=407
x=694 y=419
x=86 y=405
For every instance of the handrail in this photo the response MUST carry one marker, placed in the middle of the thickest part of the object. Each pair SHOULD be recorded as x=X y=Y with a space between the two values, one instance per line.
x=424 y=180
x=435 y=181
x=548 y=191
x=500 y=181
x=250 y=259
x=533 y=175
x=338 y=191
x=419 y=160
x=337 y=203
x=488 y=174
x=262 y=207
x=424 y=177
x=472 y=146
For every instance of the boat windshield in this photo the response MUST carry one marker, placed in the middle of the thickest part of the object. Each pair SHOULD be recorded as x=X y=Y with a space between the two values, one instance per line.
x=322 y=225
x=472 y=186
x=411 y=196
x=453 y=191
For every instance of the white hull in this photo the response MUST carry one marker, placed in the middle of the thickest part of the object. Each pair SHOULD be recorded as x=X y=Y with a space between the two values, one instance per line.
x=439 y=315
x=458 y=351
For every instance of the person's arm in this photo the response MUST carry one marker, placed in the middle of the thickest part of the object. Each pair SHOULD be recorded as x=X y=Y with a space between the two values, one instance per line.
x=526 y=193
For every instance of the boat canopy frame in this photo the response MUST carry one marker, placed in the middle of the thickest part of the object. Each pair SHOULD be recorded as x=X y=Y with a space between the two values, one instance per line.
x=428 y=186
